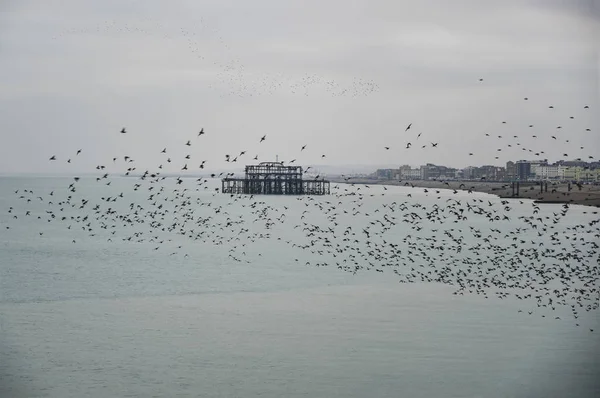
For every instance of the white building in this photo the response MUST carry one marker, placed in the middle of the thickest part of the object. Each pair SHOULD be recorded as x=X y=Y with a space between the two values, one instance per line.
x=536 y=168
x=550 y=172
x=410 y=174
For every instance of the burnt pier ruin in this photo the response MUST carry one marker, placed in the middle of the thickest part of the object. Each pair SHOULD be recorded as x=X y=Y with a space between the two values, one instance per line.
x=273 y=178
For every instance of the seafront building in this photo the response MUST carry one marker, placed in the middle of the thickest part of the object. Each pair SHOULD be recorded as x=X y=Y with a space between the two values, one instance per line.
x=521 y=170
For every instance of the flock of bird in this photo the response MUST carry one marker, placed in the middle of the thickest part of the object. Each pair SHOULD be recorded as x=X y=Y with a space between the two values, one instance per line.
x=481 y=246
x=544 y=255
x=231 y=76
x=513 y=143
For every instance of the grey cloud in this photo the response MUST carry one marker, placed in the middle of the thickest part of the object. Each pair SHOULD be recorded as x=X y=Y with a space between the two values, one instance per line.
x=342 y=76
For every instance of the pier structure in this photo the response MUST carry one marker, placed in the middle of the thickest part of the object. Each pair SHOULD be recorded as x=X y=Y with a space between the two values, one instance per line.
x=516 y=185
x=273 y=178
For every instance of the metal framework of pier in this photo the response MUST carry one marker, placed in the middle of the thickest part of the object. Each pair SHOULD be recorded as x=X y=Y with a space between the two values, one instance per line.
x=273 y=178
x=516 y=187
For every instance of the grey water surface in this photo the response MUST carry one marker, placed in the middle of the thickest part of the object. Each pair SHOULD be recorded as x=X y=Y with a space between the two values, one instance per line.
x=99 y=318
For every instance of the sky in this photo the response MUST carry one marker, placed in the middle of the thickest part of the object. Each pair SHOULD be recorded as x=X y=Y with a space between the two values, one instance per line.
x=343 y=77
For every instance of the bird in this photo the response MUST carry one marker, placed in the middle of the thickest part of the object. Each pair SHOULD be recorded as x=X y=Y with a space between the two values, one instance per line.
x=53 y=157
x=201 y=132
x=263 y=138
x=408 y=127
x=123 y=131
x=78 y=152
x=408 y=145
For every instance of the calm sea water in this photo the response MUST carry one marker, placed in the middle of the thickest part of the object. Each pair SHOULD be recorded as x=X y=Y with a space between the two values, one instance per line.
x=84 y=316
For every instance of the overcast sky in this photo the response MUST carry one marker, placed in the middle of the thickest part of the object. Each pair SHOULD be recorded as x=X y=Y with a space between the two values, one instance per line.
x=344 y=77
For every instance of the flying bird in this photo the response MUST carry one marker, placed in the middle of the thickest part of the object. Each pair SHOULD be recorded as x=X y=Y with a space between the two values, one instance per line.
x=123 y=130
x=408 y=127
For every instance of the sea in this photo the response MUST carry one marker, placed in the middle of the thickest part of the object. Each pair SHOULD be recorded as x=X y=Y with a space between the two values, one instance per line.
x=231 y=296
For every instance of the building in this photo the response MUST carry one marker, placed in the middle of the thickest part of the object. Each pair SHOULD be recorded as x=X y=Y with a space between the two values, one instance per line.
x=581 y=174
x=535 y=165
x=410 y=174
x=500 y=174
x=433 y=172
x=523 y=170
x=526 y=169
x=574 y=163
x=491 y=173
x=468 y=173
x=384 y=174
x=568 y=171
x=550 y=172
x=488 y=172
x=511 y=171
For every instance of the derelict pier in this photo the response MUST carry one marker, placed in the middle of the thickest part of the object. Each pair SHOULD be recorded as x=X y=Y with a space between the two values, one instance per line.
x=273 y=178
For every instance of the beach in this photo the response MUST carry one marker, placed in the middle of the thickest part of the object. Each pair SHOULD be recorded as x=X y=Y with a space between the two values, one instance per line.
x=588 y=195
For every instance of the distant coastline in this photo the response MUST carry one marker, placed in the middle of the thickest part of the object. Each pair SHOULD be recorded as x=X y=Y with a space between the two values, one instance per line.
x=588 y=195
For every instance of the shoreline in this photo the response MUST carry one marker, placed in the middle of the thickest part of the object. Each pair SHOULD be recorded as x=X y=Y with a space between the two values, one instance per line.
x=588 y=195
